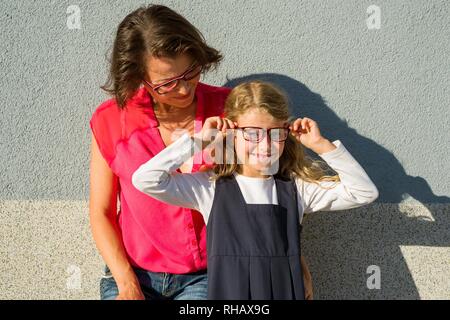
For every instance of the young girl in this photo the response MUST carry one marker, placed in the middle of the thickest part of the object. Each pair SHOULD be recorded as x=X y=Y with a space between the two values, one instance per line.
x=254 y=199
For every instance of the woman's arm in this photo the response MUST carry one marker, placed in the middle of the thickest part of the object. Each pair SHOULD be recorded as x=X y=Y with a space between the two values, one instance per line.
x=105 y=231
x=354 y=190
x=307 y=279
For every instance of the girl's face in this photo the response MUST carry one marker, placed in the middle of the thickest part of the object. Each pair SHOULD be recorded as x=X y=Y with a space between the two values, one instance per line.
x=163 y=69
x=258 y=159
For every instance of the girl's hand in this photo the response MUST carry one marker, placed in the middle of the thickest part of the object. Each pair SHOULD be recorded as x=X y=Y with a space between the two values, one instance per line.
x=307 y=132
x=215 y=127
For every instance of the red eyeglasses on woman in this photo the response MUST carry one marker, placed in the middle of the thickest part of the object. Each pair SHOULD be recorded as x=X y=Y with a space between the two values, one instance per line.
x=171 y=84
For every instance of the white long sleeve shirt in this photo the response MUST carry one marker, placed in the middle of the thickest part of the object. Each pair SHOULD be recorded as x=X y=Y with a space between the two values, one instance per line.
x=159 y=179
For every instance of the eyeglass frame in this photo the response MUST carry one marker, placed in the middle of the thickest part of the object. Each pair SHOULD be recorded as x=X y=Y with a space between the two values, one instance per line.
x=267 y=133
x=178 y=78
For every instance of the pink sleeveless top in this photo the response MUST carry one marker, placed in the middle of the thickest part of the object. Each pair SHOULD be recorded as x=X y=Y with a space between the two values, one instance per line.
x=158 y=237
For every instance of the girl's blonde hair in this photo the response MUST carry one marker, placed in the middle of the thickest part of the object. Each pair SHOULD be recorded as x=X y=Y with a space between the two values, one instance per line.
x=293 y=161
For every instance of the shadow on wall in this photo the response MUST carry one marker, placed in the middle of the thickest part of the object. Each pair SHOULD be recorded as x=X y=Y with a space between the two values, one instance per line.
x=339 y=246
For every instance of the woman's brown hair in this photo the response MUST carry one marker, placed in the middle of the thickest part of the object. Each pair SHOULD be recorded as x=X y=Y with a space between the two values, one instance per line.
x=293 y=160
x=153 y=30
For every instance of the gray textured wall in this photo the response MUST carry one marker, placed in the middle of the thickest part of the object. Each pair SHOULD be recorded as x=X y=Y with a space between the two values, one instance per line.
x=383 y=92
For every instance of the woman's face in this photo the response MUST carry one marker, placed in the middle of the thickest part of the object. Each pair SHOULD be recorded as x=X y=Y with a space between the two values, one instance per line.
x=258 y=158
x=162 y=69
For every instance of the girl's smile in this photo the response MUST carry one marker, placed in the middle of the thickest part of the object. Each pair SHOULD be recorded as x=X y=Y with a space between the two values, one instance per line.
x=257 y=157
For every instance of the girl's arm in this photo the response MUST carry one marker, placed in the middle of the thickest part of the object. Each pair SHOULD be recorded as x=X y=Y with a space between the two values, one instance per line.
x=158 y=178
x=354 y=190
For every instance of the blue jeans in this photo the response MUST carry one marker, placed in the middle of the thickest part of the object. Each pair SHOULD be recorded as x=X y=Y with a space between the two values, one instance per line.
x=160 y=285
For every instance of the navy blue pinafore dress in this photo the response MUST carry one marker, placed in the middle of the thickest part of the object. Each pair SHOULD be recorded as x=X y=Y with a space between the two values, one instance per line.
x=254 y=249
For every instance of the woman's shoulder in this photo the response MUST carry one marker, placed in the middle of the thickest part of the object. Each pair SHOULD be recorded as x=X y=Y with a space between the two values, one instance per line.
x=214 y=98
x=106 y=109
x=214 y=90
x=109 y=108
x=110 y=124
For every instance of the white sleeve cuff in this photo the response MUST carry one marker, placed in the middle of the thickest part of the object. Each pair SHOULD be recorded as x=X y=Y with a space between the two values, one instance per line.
x=336 y=153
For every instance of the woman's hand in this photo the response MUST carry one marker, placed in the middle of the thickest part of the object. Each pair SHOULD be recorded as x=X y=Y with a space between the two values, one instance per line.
x=307 y=279
x=131 y=291
x=307 y=132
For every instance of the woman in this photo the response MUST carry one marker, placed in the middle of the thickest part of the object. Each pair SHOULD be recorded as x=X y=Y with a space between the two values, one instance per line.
x=157 y=60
